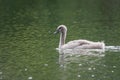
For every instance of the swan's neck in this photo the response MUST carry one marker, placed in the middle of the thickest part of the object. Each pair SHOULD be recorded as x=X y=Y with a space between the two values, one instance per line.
x=62 y=39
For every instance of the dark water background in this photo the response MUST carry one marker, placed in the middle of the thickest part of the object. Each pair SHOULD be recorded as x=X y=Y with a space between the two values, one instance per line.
x=27 y=43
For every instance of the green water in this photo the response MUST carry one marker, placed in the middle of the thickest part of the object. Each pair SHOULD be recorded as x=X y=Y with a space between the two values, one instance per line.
x=27 y=42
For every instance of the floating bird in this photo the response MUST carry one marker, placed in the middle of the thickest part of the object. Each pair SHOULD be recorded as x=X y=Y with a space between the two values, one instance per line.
x=76 y=44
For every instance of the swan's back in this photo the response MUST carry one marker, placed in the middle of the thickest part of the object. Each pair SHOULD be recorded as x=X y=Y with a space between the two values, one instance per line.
x=83 y=44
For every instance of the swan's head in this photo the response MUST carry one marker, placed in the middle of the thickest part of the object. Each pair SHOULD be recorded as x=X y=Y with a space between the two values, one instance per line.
x=61 y=29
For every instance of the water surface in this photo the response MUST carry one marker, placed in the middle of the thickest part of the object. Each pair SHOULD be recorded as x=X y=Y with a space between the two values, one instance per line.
x=27 y=43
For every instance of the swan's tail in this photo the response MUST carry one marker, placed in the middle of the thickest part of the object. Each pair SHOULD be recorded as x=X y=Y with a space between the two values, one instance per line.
x=95 y=45
x=102 y=45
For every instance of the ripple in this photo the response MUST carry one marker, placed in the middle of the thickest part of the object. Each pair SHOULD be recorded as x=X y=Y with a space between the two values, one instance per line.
x=78 y=75
x=114 y=66
x=30 y=77
x=112 y=71
x=45 y=64
x=79 y=64
x=0 y=72
x=94 y=68
x=89 y=69
x=26 y=69
x=112 y=48
x=92 y=75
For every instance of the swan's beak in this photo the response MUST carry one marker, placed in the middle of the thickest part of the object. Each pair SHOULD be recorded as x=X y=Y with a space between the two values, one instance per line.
x=57 y=31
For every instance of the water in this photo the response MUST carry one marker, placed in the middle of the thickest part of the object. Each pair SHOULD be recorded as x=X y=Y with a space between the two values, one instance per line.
x=89 y=66
x=27 y=42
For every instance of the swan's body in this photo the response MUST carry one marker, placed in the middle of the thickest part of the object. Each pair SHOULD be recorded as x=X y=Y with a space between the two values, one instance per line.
x=76 y=44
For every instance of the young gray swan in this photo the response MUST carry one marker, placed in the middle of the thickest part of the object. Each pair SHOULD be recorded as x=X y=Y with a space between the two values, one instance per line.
x=76 y=44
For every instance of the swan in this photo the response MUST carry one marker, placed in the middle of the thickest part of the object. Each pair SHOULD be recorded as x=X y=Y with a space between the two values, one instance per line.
x=76 y=44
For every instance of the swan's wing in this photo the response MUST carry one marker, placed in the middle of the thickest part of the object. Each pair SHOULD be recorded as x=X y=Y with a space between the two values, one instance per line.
x=70 y=45
x=83 y=44
x=75 y=43
x=80 y=42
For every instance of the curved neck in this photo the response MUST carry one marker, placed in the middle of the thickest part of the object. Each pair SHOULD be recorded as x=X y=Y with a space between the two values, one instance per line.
x=62 y=39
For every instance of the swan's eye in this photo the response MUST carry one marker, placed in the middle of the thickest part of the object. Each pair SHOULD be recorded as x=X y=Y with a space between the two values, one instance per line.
x=60 y=29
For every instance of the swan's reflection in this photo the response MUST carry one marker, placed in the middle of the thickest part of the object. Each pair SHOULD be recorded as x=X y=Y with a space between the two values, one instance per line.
x=85 y=63
x=68 y=55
